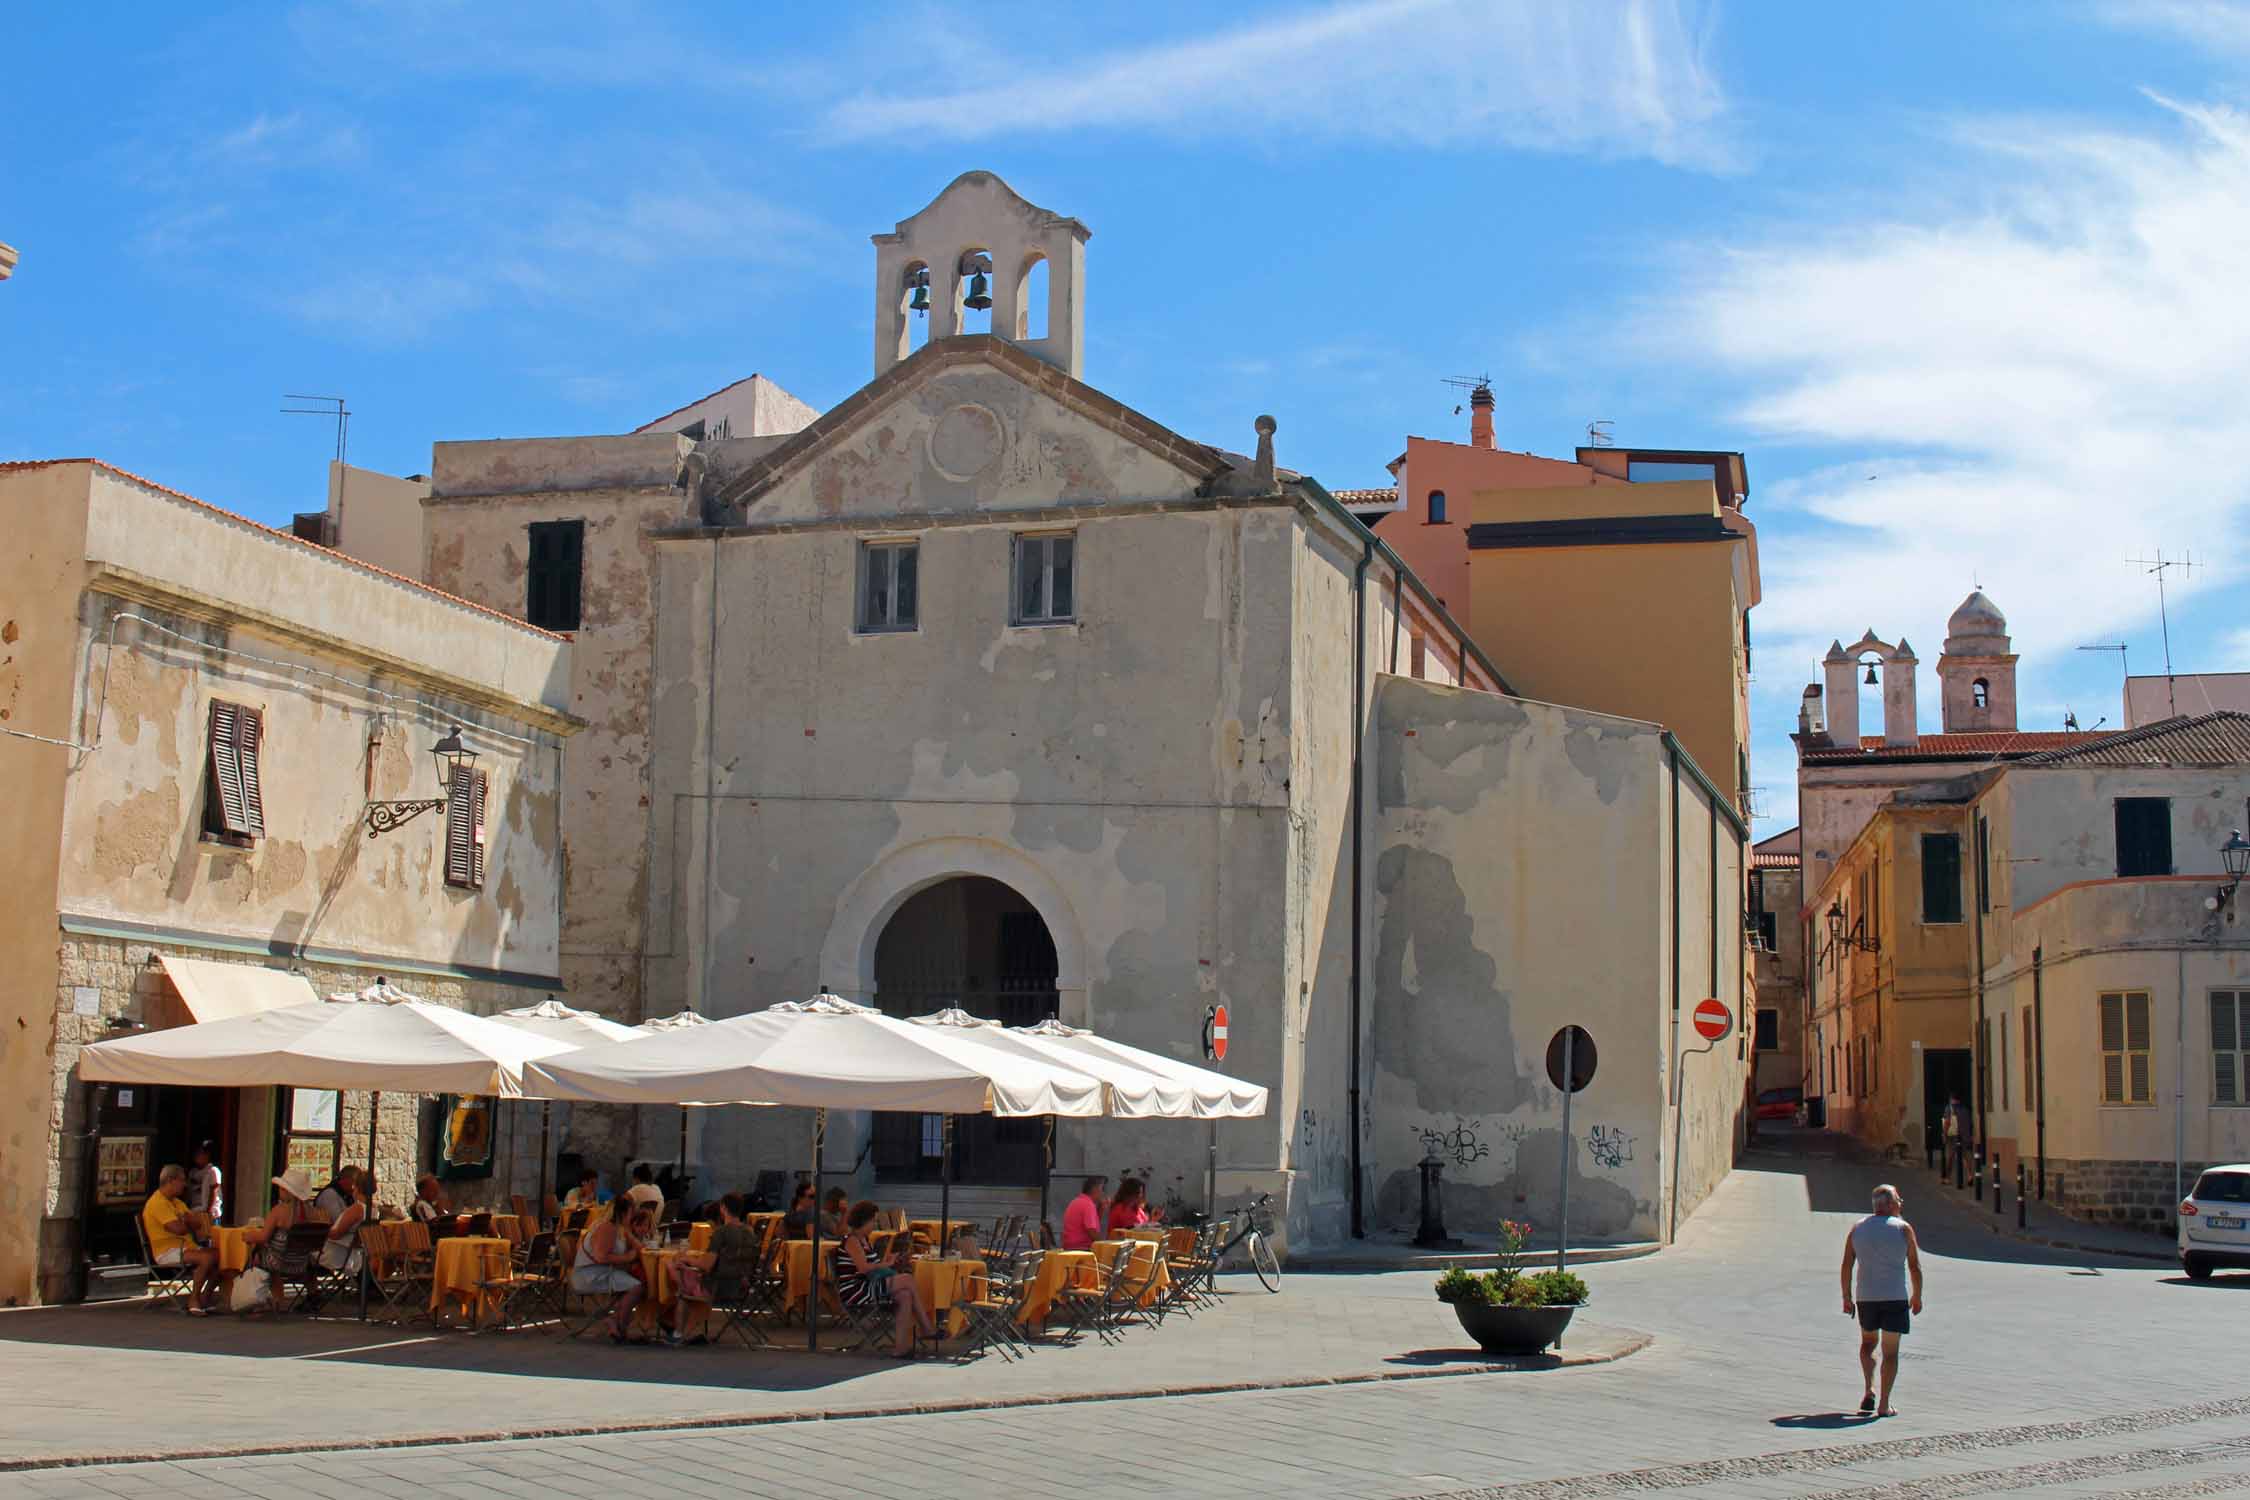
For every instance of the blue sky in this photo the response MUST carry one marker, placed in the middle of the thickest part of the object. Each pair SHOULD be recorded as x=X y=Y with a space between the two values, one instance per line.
x=1968 y=283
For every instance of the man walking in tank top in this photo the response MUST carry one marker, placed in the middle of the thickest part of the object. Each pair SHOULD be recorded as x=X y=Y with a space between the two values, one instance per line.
x=1882 y=1248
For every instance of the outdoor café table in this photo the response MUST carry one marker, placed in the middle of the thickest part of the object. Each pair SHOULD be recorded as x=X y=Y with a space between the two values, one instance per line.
x=462 y=1261
x=1057 y=1269
x=927 y=1229
x=660 y=1271
x=699 y=1237
x=799 y=1268
x=1145 y=1254
x=943 y=1283
x=233 y=1246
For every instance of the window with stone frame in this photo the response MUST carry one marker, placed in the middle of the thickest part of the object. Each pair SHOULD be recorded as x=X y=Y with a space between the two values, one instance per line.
x=234 y=804
x=889 y=587
x=1046 y=579
x=2230 y=1046
x=2127 y=1067
x=1941 y=877
x=1769 y=1031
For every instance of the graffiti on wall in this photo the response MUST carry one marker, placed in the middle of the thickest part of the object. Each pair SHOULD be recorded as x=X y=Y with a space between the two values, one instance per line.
x=1609 y=1146
x=1460 y=1144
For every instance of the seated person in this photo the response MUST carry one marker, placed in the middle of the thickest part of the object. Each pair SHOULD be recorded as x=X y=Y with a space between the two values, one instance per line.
x=206 y=1184
x=1083 y=1219
x=430 y=1201
x=644 y=1189
x=331 y=1201
x=291 y=1207
x=719 y=1274
x=834 y=1208
x=860 y=1279
x=1130 y=1211
x=797 y=1224
x=964 y=1243
x=608 y=1264
x=341 y=1253
x=174 y=1231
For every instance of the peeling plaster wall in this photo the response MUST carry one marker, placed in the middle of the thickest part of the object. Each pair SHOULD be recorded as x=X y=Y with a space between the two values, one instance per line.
x=1127 y=773
x=1522 y=883
x=41 y=572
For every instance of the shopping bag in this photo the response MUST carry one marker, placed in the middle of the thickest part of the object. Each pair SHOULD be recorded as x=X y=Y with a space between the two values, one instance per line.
x=249 y=1290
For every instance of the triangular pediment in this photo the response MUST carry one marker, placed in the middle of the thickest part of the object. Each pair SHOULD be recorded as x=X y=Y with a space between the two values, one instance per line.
x=969 y=423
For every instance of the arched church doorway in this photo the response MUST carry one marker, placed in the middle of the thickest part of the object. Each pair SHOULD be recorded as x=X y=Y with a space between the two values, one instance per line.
x=975 y=943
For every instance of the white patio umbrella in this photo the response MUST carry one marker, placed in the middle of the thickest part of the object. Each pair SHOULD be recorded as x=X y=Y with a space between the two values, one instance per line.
x=558 y=1022
x=821 y=1053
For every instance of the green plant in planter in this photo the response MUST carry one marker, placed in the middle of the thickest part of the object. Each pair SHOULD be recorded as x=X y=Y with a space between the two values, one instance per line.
x=1555 y=1289
x=1508 y=1284
x=1458 y=1285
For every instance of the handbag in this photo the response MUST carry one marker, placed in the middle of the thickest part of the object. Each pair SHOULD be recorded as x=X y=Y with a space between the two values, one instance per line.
x=250 y=1290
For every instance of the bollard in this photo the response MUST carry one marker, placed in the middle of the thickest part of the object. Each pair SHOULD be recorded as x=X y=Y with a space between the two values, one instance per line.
x=2019 y=1195
x=1959 y=1157
x=1977 y=1180
x=1996 y=1195
x=1432 y=1233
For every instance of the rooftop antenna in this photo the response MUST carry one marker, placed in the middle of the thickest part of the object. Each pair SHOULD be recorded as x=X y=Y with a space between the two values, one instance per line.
x=2124 y=671
x=2159 y=565
x=330 y=406
x=1470 y=383
x=1597 y=433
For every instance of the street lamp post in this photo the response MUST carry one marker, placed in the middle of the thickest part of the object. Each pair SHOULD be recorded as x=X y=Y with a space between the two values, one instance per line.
x=454 y=761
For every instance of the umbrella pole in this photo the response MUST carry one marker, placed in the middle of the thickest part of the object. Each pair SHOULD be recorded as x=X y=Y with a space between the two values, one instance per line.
x=945 y=1189
x=374 y=1113
x=1046 y=1177
x=683 y=1159
x=812 y=1282
x=539 y=1204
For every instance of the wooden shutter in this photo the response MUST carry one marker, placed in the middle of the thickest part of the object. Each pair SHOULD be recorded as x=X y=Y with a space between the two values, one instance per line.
x=2113 y=1049
x=235 y=793
x=2137 y=1047
x=460 y=832
x=2226 y=1049
x=249 y=736
x=477 y=818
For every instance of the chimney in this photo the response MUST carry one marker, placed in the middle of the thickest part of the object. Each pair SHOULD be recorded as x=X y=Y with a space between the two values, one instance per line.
x=1480 y=417
x=1898 y=696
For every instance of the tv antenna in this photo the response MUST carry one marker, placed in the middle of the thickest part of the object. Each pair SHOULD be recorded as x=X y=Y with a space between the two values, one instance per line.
x=1597 y=434
x=2159 y=565
x=329 y=406
x=1470 y=383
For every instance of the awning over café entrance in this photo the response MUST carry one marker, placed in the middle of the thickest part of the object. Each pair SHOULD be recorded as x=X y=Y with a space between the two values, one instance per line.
x=216 y=991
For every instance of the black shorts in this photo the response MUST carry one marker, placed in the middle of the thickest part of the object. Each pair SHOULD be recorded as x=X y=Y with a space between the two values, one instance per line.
x=1884 y=1317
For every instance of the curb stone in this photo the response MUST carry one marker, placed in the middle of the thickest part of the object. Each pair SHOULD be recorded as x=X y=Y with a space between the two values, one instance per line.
x=1627 y=1344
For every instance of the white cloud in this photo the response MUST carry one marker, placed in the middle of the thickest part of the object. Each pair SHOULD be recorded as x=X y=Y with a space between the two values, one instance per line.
x=2045 y=378
x=2215 y=25
x=1621 y=77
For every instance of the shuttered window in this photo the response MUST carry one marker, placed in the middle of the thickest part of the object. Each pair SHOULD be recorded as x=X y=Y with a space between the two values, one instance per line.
x=2230 y=1046
x=464 y=831
x=2144 y=836
x=234 y=807
x=2125 y=1050
x=1941 y=877
x=553 y=578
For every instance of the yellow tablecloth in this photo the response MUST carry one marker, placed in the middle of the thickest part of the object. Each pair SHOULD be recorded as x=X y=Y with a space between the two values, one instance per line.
x=942 y=1283
x=798 y=1255
x=929 y=1230
x=462 y=1262
x=699 y=1237
x=233 y=1246
x=1058 y=1269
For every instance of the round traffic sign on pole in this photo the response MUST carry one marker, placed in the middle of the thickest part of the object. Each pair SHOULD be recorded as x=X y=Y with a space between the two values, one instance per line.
x=1573 y=1043
x=1713 y=1021
x=1215 y=1033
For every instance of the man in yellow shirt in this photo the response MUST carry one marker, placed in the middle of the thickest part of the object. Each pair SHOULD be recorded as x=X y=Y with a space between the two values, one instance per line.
x=172 y=1228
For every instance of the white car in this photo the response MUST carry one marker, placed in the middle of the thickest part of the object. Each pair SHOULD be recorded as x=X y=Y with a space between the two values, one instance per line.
x=2215 y=1222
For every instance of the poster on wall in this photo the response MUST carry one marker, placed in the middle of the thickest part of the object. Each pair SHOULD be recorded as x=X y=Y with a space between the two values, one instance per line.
x=313 y=1111
x=314 y=1155
x=121 y=1171
x=465 y=1148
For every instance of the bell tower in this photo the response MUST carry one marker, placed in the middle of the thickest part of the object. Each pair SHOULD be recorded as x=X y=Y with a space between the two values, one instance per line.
x=1977 y=672
x=976 y=246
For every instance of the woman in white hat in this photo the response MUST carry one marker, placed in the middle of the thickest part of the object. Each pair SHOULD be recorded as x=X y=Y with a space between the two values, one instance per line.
x=287 y=1212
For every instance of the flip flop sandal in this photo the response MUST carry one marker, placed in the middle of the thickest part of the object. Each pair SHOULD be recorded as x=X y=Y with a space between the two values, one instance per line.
x=1867 y=1403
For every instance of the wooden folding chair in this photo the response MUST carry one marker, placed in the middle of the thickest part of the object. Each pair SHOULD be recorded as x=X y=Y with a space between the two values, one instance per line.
x=168 y=1286
x=753 y=1312
x=591 y=1310
x=992 y=1317
x=532 y=1284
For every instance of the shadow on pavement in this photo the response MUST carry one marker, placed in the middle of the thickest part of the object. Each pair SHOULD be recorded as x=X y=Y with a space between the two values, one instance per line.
x=2215 y=1284
x=1828 y=1421
x=1436 y=1359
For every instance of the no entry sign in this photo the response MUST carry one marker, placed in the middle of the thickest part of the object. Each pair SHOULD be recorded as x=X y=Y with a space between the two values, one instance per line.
x=1215 y=1033
x=1713 y=1021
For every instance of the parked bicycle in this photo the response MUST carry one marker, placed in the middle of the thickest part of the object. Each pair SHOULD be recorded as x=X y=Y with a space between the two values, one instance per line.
x=1255 y=1240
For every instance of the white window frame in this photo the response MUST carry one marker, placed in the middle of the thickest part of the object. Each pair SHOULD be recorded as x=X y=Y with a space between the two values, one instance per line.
x=2235 y=1004
x=2125 y=1095
x=1044 y=543
x=891 y=547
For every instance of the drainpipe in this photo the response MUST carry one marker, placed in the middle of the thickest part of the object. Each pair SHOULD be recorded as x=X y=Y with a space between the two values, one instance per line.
x=1359 y=742
x=710 y=816
x=1981 y=1050
x=2179 y=1082
x=1672 y=757
x=1398 y=614
x=2039 y=1059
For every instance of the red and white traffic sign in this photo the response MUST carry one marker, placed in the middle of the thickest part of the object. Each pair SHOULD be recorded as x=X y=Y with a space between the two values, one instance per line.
x=1215 y=1034
x=1713 y=1021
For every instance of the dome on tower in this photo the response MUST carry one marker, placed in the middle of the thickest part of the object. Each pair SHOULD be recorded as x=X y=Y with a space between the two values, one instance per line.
x=1977 y=628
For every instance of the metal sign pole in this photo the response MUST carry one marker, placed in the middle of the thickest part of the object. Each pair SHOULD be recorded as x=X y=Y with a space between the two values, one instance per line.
x=812 y=1282
x=1570 y=1087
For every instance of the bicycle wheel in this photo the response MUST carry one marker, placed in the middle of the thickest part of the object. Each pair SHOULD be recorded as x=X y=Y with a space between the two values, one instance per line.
x=1265 y=1263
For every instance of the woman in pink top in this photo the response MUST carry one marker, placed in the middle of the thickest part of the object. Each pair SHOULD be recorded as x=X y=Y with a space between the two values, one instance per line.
x=1130 y=1211
x=1082 y=1221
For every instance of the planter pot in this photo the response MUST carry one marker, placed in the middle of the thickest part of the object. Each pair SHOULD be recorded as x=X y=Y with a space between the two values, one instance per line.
x=1513 y=1330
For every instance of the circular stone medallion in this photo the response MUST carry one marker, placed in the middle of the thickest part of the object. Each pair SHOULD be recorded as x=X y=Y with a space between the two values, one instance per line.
x=966 y=442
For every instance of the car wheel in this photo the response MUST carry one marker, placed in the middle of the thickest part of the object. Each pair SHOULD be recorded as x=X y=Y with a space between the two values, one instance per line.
x=2197 y=1267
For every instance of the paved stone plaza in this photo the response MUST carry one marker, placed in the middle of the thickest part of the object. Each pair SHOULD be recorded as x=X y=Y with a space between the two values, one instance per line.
x=2033 y=1369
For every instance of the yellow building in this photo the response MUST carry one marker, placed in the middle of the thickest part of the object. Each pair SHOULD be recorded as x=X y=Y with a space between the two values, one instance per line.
x=1629 y=599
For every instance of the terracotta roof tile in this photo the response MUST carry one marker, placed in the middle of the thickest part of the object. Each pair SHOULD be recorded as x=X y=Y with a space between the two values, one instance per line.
x=345 y=558
x=1775 y=861
x=2012 y=744
x=1367 y=497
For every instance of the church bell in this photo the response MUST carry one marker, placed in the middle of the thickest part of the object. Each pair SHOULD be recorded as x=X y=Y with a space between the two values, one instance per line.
x=921 y=299
x=1871 y=674
x=980 y=292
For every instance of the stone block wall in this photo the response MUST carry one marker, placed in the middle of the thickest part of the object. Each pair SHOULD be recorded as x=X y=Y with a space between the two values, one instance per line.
x=2131 y=1194
x=132 y=985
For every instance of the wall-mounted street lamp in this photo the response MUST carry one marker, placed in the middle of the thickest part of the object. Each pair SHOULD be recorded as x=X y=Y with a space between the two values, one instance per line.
x=2234 y=854
x=1853 y=935
x=453 y=760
